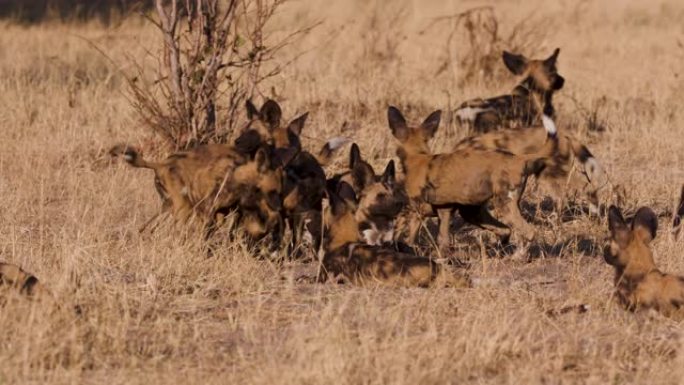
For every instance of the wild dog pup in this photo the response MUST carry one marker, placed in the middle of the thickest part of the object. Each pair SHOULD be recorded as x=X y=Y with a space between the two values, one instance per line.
x=256 y=197
x=381 y=198
x=358 y=173
x=525 y=105
x=556 y=179
x=193 y=172
x=266 y=124
x=380 y=202
x=304 y=178
x=638 y=282
x=467 y=180
x=361 y=263
x=188 y=178
x=202 y=179
x=14 y=278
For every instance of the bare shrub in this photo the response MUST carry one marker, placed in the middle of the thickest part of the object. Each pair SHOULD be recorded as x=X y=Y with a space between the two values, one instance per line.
x=215 y=56
x=475 y=42
x=382 y=33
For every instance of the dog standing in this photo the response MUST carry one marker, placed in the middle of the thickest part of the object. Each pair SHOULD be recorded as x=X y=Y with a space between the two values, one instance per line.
x=466 y=180
x=558 y=178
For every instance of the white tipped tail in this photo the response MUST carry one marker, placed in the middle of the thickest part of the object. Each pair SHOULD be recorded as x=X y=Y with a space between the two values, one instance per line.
x=338 y=142
x=326 y=153
x=549 y=125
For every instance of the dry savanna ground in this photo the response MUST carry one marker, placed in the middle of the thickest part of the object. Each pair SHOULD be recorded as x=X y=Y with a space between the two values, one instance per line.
x=152 y=308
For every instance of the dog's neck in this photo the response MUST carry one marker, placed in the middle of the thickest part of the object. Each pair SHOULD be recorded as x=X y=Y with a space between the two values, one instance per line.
x=343 y=230
x=636 y=269
x=415 y=166
x=538 y=100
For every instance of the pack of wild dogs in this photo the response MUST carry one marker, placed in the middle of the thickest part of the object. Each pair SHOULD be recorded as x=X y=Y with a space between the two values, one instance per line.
x=362 y=227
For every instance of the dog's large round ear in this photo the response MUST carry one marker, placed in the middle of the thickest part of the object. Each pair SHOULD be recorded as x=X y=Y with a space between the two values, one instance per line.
x=30 y=286
x=340 y=198
x=551 y=60
x=397 y=123
x=284 y=155
x=389 y=177
x=271 y=113
x=362 y=175
x=274 y=201
x=263 y=160
x=252 y=111
x=248 y=142
x=354 y=155
x=297 y=125
x=616 y=224
x=346 y=192
x=645 y=224
x=517 y=64
x=431 y=123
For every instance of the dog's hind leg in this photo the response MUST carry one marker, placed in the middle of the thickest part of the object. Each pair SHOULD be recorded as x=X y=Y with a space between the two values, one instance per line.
x=444 y=215
x=481 y=217
x=508 y=210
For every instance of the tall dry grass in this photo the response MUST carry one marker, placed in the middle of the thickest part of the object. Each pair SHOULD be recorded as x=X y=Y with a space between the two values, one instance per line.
x=152 y=308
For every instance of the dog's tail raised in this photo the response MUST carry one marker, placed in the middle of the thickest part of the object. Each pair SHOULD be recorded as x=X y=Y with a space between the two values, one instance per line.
x=551 y=145
x=329 y=149
x=132 y=156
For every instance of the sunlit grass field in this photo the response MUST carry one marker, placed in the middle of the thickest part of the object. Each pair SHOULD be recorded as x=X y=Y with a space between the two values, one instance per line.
x=152 y=308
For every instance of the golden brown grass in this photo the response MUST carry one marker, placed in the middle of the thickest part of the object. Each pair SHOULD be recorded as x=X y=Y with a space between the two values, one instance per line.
x=154 y=309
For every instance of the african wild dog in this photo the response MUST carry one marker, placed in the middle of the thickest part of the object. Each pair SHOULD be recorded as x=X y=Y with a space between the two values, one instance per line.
x=185 y=180
x=181 y=171
x=259 y=183
x=361 y=263
x=558 y=178
x=525 y=105
x=210 y=181
x=357 y=172
x=303 y=185
x=266 y=123
x=638 y=282
x=467 y=180
x=14 y=278
x=204 y=179
x=304 y=179
x=381 y=198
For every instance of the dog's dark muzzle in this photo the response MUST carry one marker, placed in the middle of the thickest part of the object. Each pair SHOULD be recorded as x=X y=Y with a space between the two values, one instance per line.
x=558 y=83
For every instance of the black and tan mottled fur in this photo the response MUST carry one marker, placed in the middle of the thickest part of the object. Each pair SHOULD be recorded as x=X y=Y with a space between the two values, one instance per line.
x=360 y=263
x=304 y=179
x=476 y=183
x=558 y=179
x=523 y=107
x=381 y=197
x=188 y=180
x=639 y=283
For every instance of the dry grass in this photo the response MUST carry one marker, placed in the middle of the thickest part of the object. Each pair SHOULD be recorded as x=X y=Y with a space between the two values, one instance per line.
x=154 y=309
